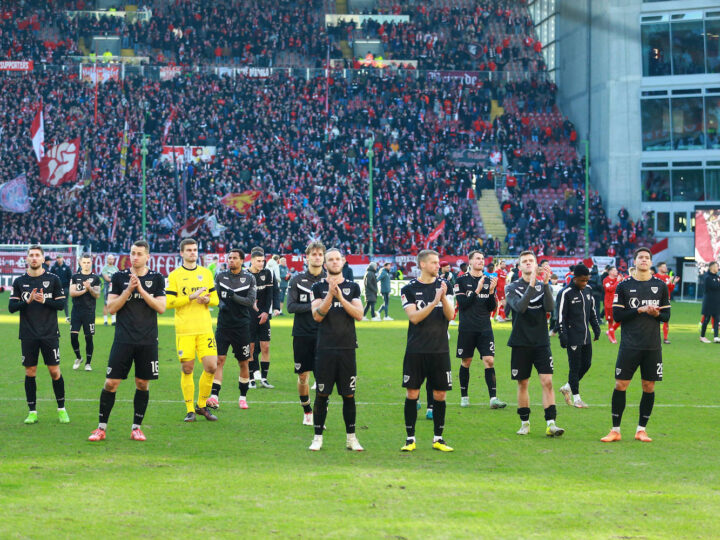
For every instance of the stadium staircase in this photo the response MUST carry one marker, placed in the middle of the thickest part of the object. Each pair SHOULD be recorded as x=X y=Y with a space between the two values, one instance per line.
x=489 y=208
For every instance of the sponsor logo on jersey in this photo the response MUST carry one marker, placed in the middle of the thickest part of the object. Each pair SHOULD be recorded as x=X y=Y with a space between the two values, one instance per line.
x=634 y=303
x=148 y=283
x=654 y=290
x=303 y=297
x=46 y=283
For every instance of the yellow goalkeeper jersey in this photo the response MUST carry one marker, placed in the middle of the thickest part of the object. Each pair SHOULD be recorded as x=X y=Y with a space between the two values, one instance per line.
x=191 y=318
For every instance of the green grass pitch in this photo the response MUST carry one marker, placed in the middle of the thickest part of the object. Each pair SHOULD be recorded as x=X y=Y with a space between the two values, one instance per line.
x=250 y=475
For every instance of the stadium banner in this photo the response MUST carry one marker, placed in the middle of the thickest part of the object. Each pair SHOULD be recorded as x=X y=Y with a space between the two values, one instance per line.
x=17 y=65
x=196 y=153
x=247 y=71
x=59 y=165
x=164 y=263
x=707 y=236
x=168 y=73
x=467 y=77
x=100 y=74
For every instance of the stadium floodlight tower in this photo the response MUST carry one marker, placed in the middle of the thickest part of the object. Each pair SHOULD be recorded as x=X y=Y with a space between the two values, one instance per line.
x=370 y=154
x=144 y=153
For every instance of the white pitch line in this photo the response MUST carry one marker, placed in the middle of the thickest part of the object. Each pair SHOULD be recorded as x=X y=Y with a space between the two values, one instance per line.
x=370 y=403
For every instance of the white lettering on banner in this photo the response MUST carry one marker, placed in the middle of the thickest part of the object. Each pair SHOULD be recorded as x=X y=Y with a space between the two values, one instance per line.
x=16 y=65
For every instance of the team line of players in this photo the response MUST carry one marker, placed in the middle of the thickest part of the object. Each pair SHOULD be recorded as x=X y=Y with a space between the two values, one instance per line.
x=326 y=307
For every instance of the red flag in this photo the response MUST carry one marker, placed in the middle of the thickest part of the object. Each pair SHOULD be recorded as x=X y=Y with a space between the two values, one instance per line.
x=168 y=124
x=240 y=202
x=192 y=226
x=37 y=133
x=434 y=234
x=60 y=164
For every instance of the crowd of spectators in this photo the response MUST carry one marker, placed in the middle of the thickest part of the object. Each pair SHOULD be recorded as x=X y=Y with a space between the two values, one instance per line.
x=488 y=36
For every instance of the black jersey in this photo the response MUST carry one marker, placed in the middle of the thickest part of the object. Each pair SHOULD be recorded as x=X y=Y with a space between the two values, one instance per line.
x=136 y=321
x=85 y=303
x=640 y=330
x=37 y=320
x=268 y=292
x=474 y=309
x=237 y=293
x=337 y=329
x=430 y=335
x=529 y=306
x=300 y=303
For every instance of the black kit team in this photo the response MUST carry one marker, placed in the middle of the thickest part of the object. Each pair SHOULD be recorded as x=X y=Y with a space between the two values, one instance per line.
x=84 y=290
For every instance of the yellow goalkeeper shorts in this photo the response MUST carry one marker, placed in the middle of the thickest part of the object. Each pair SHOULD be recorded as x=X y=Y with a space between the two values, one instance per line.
x=199 y=344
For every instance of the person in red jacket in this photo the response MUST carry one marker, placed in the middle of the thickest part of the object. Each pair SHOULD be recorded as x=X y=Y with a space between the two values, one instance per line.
x=663 y=274
x=610 y=283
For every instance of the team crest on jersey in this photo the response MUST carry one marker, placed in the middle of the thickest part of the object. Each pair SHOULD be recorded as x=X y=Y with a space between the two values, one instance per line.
x=46 y=284
x=573 y=347
x=514 y=372
x=654 y=290
x=406 y=378
x=538 y=287
x=321 y=387
x=148 y=283
x=262 y=278
x=297 y=365
x=617 y=371
x=346 y=291
x=200 y=277
x=460 y=351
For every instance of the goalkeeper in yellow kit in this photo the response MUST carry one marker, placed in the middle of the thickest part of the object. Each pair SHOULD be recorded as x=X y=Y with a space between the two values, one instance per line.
x=191 y=292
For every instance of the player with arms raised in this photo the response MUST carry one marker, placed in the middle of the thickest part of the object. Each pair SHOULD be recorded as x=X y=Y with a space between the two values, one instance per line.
x=427 y=353
x=137 y=295
x=641 y=303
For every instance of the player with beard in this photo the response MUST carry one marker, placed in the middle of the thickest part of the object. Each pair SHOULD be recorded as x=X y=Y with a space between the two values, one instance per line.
x=38 y=295
x=530 y=298
x=475 y=295
x=427 y=353
x=641 y=303
x=305 y=327
x=137 y=295
x=336 y=306
x=237 y=292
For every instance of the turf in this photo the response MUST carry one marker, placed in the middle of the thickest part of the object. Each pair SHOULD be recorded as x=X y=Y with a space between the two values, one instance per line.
x=250 y=475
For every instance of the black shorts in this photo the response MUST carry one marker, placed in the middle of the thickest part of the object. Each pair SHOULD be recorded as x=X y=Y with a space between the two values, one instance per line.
x=467 y=342
x=259 y=332
x=304 y=349
x=49 y=347
x=650 y=362
x=522 y=360
x=86 y=321
x=123 y=355
x=238 y=338
x=435 y=367
x=335 y=367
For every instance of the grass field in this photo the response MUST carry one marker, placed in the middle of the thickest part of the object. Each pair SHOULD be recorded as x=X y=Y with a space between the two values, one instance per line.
x=250 y=475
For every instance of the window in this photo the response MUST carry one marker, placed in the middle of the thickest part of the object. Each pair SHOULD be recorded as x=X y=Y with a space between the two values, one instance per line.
x=687 y=123
x=655 y=124
x=680 y=222
x=712 y=118
x=712 y=184
x=688 y=48
x=656 y=49
x=688 y=185
x=712 y=45
x=656 y=186
x=663 y=222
